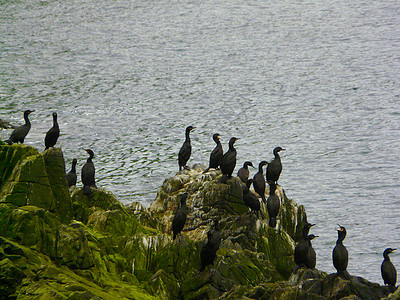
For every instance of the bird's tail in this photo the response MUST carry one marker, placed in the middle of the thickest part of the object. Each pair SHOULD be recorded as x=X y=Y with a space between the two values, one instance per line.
x=272 y=222
x=206 y=170
x=87 y=190
x=9 y=141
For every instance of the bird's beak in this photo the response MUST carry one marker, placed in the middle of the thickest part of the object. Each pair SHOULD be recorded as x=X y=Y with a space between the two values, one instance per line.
x=311 y=225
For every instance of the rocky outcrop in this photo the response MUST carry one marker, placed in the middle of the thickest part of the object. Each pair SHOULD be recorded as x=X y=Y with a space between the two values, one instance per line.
x=57 y=243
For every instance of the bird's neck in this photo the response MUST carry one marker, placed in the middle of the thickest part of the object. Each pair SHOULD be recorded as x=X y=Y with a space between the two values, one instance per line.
x=73 y=169
x=231 y=147
x=27 y=122
x=55 y=124
x=187 y=136
x=386 y=257
x=277 y=155
x=260 y=169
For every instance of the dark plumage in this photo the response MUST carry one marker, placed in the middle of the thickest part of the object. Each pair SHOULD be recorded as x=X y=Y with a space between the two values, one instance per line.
x=18 y=134
x=340 y=255
x=388 y=271
x=87 y=174
x=301 y=249
x=216 y=155
x=228 y=162
x=244 y=172
x=216 y=235
x=179 y=219
x=311 y=258
x=208 y=251
x=251 y=199
x=273 y=205
x=52 y=135
x=186 y=149
x=259 y=181
x=71 y=176
x=274 y=168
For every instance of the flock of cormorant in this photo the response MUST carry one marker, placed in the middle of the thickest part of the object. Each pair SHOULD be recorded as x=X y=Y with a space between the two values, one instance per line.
x=304 y=254
x=88 y=171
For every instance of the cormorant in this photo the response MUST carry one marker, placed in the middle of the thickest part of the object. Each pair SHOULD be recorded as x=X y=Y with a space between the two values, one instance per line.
x=179 y=219
x=251 y=199
x=340 y=255
x=311 y=258
x=52 y=135
x=216 y=235
x=274 y=168
x=388 y=271
x=87 y=174
x=18 y=134
x=228 y=162
x=208 y=251
x=244 y=172
x=216 y=155
x=273 y=205
x=71 y=176
x=301 y=249
x=186 y=149
x=259 y=181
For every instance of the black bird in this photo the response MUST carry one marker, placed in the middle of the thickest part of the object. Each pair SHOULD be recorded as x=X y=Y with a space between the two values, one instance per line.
x=340 y=255
x=301 y=249
x=259 y=181
x=52 y=135
x=388 y=270
x=311 y=258
x=71 y=176
x=274 y=168
x=186 y=149
x=244 y=172
x=179 y=219
x=216 y=155
x=87 y=174
x=228 y=162
x=251 y=199
x=216 y=235
x=208 y=251
x=273 y=205
x=18 y=135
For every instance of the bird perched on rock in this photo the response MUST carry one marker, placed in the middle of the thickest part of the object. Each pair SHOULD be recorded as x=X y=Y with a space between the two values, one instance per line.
x=87 y=174
x=186 y=149
x=71 y=176
x=52 y=135
x=18 y=134
x=273 y=205
x=311 y=258
x=274 y=168
x=208 y=251
x=228 y=162
x=179 y=220
x=244 y=172
x=251 y=199
x=216 y=155
x=388 y=271
x=259 y=181
x=340 y=255
x=301 y=249
x=216 y=235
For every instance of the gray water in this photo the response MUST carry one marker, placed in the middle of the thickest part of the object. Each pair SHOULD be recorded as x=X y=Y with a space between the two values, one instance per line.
x=319 y=78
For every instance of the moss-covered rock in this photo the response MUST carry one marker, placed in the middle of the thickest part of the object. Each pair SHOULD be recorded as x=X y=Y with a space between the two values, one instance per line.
x=36 y=179
x=57 y=246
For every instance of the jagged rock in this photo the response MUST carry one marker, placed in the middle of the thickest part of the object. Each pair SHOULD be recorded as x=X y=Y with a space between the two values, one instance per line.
x=57 y=246
x=30 y=178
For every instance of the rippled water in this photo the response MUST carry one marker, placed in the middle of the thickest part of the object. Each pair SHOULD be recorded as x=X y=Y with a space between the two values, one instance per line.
x=319 y=78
